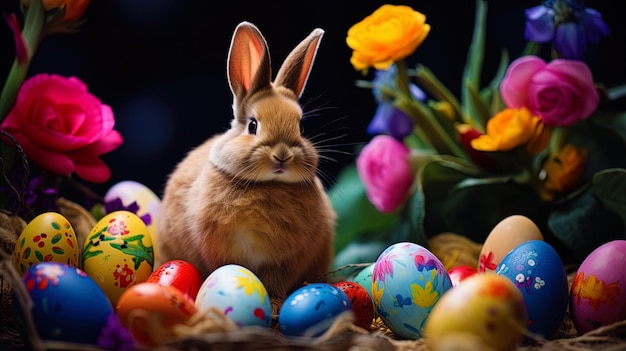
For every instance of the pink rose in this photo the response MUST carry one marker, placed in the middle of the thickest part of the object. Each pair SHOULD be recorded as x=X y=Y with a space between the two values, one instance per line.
x=560 y=92
x=383 y=166
x=62 y=127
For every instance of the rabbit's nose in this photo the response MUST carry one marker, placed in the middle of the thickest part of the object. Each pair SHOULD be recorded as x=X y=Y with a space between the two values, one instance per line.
x=282 y=157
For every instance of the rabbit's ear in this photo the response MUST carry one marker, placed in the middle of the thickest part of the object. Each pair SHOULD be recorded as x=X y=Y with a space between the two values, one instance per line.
x=294 y=72
x=249 y=67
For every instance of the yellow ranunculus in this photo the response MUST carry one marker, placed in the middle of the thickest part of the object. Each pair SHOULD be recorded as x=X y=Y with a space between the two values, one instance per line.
x=562 y=172
x=73 y=8
x=389 y=34
x=511 y=128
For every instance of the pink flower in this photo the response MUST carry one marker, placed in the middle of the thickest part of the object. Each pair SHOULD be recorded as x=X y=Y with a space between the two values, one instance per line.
x=62 y=127
x=383 y=166
x=560 y=92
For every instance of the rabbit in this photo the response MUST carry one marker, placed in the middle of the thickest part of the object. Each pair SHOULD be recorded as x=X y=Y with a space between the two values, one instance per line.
x=251 y=196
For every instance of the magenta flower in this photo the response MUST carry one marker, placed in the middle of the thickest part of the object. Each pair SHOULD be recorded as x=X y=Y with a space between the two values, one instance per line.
x=383 y=166
x=566 y=23
x=561 y=92
x=62 y=127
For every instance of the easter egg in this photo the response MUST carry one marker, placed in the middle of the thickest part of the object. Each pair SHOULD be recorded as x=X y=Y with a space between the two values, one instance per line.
x=408 y=281
x=118 y=253
x=504 y=237
x=135 y=197
x=364 y=278
x=150 y=311
x=460 y=273
x=361 y=302
x=485 y=312
x=47 y=237
x=538 y=272
x=180 y=274
x=238 y=293
x=67 y=305
x=311 y=309
x=598 y=291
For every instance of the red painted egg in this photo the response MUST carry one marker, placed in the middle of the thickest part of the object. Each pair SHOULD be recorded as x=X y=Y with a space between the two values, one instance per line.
x=179 y=274
x=362 y=304
x=458 y=273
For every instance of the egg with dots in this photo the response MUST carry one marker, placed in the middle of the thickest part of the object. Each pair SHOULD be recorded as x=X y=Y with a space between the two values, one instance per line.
x=151 y=312
x=535 y=267
x=135 y=197
x=118 y=253
x=65 y=304
x=238 y=293
x=47 y=237
x=598 y=291
x=504 y=237
x=361 y=302
x=408 y=281
x=180 y=274
x=312 y=309
x=485 y=312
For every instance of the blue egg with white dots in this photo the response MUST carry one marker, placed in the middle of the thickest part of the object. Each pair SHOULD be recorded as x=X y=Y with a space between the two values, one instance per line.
x=312 y=309
x=538 y=272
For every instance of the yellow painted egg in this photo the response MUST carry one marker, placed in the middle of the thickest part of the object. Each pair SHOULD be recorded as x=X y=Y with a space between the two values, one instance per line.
x=504 y=237
x=485 y=312
x=118 y=253
x=135 y=197
x=47 y=237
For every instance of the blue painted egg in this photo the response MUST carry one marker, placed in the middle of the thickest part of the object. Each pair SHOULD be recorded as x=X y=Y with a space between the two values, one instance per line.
x=538 y=272
x=68 y=305
x=238 y=293
x=311 y=309
x=407 y=282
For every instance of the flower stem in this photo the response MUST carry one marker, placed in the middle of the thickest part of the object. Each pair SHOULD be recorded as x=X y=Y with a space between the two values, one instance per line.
x=435 y=87
x=34 y=20
x=426 y=124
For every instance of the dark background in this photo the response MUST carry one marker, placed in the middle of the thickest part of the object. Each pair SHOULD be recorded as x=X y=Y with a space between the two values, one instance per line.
x=161 y=66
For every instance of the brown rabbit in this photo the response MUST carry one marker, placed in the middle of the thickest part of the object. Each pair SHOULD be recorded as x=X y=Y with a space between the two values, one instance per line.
x=251 y=196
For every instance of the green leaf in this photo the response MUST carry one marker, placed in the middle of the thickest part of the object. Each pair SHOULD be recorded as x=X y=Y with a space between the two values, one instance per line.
x=55 y=239
x=609 y=186
x=611 y=120
x=474 y=62
x=356 y=216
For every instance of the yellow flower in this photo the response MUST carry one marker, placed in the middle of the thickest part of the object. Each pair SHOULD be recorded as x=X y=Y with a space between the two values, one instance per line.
x=389 y=34
x=377 y=294
x=562 y=172
x=424 y=297
x=250 y=284
x=73 y=8
x=511 y=128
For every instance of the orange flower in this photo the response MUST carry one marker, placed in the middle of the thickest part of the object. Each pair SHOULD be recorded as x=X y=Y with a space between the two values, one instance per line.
x=389 y=34
x=511 y=128
x=562 y=172
x=73 y=8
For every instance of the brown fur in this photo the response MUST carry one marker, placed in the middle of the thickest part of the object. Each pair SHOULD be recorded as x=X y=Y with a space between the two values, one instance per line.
x=225 y=204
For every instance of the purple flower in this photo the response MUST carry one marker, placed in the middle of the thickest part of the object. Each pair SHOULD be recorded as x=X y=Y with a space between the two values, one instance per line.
x=566 y=23
x=386 y=80
x=390 y=120
x=115 y=337
x=117 y=204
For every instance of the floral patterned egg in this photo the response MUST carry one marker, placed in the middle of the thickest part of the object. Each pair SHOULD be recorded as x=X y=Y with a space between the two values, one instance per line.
x=408 y=281
x=238 y=293
x=118 y=253
x=150 y=311
x=598 y=292
x=137 y=198
x=47 y=237
x=67 y=305
x=538 y=272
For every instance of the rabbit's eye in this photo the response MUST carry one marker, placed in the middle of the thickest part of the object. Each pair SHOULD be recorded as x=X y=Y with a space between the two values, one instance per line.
x=252 y=125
